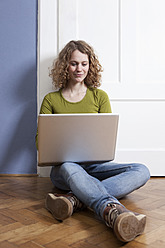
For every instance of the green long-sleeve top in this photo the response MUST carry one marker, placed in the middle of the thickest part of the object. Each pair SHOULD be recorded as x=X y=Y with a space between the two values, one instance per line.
x=95 y=101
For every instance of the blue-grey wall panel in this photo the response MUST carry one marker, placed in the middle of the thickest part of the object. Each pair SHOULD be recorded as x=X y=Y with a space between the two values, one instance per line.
x=18 y=86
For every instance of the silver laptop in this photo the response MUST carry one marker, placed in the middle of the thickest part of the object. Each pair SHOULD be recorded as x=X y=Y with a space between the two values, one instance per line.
x=76 y=138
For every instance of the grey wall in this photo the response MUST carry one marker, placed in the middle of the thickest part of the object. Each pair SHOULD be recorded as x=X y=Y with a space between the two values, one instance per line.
x=18 y=86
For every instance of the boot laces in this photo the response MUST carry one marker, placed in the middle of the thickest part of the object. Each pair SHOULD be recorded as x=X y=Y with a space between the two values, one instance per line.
x=112 y=215
x=75 y=202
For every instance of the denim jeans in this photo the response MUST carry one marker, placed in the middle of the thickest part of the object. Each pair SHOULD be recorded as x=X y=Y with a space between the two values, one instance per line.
x=97 y=184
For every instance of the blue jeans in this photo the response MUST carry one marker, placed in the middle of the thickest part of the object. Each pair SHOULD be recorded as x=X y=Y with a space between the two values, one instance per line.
x=97 y=184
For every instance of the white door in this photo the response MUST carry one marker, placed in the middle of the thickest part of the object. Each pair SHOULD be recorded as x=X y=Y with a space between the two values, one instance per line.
x=129 y=38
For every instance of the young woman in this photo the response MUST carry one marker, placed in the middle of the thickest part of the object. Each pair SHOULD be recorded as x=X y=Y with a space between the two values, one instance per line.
x=77 y=74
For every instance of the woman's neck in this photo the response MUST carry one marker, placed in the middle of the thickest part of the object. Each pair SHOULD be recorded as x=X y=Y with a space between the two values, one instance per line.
x=75 y=88
x=74 y=92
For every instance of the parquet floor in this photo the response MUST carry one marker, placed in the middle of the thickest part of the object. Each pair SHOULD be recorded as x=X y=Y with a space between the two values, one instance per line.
x=25 y=223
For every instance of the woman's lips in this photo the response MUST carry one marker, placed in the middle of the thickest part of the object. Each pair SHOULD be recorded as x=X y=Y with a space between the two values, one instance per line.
x=78 y=75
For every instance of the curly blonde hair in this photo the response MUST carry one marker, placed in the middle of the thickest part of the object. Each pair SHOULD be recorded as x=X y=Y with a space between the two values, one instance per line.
x=59 y=71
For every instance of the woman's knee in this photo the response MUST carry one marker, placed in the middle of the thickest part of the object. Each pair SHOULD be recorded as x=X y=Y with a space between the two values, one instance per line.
x=57 y=178
x=67 y=169
x=144 y=171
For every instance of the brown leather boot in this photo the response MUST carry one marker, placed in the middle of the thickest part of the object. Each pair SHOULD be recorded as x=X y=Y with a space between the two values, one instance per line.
x=126 y=224
x=62 y=206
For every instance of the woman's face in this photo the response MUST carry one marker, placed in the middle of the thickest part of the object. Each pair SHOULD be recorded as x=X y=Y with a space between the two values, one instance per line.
x=78 y=67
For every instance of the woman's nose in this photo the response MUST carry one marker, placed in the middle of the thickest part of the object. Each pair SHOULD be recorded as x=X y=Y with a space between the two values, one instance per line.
x=79 y=67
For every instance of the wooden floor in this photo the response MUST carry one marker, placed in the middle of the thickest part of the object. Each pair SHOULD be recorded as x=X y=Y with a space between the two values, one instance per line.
x=25 y=223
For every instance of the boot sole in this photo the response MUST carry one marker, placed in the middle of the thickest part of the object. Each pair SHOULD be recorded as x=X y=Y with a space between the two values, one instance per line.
x=128 y=226
x=60 y=207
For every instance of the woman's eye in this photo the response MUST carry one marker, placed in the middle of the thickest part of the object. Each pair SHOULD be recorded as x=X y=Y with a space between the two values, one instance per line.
x=84 y=64
x=73 y=64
